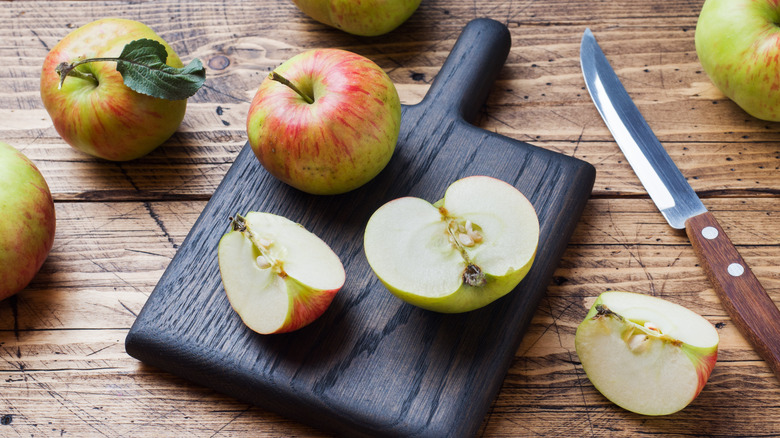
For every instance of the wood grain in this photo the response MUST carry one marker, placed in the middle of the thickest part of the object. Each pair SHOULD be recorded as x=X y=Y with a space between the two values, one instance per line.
x=64 y=371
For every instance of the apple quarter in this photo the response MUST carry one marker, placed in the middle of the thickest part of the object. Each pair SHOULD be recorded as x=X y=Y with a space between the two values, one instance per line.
x=459 y=254
x=646 y=354
x=277 y=275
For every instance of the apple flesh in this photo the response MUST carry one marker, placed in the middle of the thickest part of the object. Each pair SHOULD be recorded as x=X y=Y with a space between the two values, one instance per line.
x=27 y=222
x=106 y=119
x=360 y=17
x=277 y=275
x=467 y=250
x=737 y=45
x=646 y=354
x=330 y=126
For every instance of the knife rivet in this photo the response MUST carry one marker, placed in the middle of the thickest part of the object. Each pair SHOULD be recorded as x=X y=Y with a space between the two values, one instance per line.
x=709 y=233
x=735 y=269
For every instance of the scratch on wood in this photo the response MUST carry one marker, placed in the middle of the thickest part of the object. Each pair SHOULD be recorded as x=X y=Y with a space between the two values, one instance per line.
x=160 y=224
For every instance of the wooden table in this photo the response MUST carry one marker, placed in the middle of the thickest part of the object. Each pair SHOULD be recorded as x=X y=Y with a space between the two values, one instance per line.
x=64 y=370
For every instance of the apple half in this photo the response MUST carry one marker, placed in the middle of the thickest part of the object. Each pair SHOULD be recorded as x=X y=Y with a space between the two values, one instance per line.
x=277 y=275
x=459 y=254
x=646 y=354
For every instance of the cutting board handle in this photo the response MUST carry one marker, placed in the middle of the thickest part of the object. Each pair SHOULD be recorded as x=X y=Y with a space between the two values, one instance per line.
x=466 y=78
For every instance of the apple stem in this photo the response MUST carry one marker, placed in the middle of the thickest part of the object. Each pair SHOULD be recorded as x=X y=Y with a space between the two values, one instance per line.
x=65 y=69
x=281 y=79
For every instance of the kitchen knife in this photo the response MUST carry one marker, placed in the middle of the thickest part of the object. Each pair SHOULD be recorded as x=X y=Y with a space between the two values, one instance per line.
x=745 y=300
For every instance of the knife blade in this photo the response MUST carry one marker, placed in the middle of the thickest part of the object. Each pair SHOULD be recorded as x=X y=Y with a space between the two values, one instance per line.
x=740 y=292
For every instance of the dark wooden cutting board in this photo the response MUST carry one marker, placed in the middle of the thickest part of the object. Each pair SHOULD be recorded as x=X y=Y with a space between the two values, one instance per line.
x=371 y=365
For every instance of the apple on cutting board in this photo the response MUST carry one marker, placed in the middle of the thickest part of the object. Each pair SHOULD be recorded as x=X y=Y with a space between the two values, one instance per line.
x=646 y=354
x=737 y=45
x=360 y=17
x=27 y=222
x=326 y=121
x=456 y=255
x=277 y=275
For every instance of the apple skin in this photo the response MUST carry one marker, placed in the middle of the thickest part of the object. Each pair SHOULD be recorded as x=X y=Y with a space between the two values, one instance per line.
x=658 y=378
x=360 y=17
x=108 y=120
x=339 y=142
x=738 y=45
x=28 y=221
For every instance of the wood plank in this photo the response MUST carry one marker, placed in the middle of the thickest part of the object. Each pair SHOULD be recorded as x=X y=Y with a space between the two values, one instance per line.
x=538 y=97
x=107 y=257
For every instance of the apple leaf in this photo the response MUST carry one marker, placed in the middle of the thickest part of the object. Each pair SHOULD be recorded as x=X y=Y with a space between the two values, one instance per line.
x=143 y=68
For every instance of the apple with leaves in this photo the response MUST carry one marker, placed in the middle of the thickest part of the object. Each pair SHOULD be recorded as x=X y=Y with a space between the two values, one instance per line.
x=277 y=275
x=646 y=354
x=27 y=222
x=360 y=17
x=326 y=121
x=461 y=253
x=737 y=45
x=114 y=89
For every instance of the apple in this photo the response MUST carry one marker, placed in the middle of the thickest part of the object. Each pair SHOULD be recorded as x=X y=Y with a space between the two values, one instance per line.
x=277 y=275
x=28 y=221
x=360 y=17
x=737 y=45
x=96 y=112
x=325 y=122
x=646 y=354
x=459 y=254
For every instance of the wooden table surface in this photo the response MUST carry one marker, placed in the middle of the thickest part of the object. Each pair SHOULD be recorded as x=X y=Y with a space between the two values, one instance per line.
x=63 y=367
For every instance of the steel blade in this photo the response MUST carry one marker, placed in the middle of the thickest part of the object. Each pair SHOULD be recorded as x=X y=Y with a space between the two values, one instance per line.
x=663 y=181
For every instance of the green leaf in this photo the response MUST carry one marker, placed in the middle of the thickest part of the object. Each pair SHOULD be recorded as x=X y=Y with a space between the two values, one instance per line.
x=143 y=69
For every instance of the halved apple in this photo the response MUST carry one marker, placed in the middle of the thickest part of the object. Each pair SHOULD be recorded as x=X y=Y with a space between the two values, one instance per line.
x=277 y=275
x=646 y=354
x=459 y=254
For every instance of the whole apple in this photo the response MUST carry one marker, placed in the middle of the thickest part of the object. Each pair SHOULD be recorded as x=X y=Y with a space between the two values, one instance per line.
x=736 y=41
x=325 y=122
x=27 y=221
x=103 y=117
x=360 y=17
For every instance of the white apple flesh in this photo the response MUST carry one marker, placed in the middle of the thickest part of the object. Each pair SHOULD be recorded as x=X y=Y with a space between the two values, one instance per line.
x=277 y=275
x=646 y=354
x=462 y=253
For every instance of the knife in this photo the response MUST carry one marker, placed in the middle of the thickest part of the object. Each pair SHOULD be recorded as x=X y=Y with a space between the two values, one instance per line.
x=740 y=292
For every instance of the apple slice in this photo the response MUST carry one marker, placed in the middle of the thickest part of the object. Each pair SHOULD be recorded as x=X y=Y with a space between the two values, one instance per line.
x=646 y=354
x=277 y=275
x=459 y=254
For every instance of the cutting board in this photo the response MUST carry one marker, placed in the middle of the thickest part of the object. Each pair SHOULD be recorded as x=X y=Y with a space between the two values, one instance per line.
x=371 y=365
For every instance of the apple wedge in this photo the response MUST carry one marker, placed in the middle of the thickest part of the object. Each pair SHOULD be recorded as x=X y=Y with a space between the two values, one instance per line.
x=277 y=275
x=646 y=354
x=459 y=254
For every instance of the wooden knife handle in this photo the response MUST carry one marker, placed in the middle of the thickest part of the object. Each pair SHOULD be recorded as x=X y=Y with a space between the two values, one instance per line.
x=745 y=300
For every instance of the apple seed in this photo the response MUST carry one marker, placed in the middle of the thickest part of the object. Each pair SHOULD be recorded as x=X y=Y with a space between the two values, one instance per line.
x=265 y=260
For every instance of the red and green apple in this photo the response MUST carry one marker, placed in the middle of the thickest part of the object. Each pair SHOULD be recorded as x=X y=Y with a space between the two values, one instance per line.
x=93 y=109
x=360 y=17
x=461 y=253
x=27 y=222
x=738 y=45
x=277 y=275
x=646 y=354
x=325 y=122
